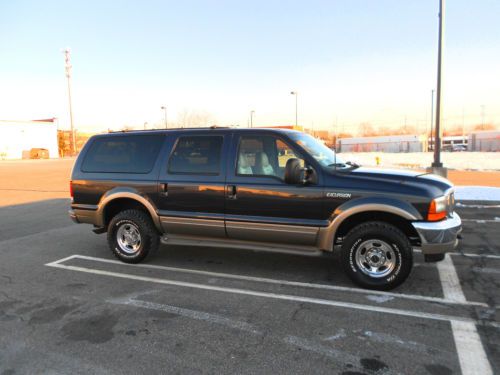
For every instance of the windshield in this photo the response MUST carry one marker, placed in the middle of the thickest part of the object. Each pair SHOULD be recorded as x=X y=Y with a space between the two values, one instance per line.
x=319 y=151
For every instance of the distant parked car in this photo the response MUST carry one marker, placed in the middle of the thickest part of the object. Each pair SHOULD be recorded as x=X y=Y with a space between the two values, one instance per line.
x=459 y=148
x=454 y=148
x=39 y=153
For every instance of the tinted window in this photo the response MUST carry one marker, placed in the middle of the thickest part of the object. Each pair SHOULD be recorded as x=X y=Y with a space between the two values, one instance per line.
x=123 y=154
x=196 y=155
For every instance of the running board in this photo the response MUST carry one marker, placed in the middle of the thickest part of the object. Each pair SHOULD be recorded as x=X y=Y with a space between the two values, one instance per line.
x=240 y=244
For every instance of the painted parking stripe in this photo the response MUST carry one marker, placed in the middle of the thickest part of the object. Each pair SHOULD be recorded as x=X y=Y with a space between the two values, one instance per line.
x=478 y=205
x=496 y=220
x=486 y=270
x=189 y=313
x=467 y=255
x=275 y=281
x=470 y=350
x=286 y=297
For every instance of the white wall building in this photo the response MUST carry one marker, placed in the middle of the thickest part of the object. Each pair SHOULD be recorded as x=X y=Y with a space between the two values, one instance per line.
x=484 y=141
x=389 y=143
x=17 y=138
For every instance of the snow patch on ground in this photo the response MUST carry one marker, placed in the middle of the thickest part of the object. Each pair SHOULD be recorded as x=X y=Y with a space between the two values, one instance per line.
x=477 y=193
x=481 y=161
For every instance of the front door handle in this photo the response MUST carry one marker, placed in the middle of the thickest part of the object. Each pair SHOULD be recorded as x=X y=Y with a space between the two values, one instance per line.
x=231 y=191
x=164 y=189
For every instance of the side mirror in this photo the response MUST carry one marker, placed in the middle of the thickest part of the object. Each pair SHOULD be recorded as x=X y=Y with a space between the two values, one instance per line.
x=295 y=174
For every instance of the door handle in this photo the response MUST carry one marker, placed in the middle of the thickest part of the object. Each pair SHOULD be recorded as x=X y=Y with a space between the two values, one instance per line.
x=164 y=189
x=231 y=191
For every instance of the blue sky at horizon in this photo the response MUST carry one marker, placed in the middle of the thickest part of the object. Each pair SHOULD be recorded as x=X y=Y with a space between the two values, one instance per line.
x=351 y=61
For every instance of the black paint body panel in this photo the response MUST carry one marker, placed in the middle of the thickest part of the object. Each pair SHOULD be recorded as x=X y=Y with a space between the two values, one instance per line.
x=258 y=199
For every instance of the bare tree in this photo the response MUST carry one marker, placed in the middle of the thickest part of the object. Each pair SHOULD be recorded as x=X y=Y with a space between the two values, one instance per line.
x=366 y=129
x=190 y=118
x=485 y=127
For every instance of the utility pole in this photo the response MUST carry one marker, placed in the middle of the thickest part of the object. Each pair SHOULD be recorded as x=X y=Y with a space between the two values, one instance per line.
x=296 y=108
x=252 y=112
x=437 y=166
x=164 y=107
x=335 y=133
x=68 y=68
x=463 y=125
x=482 y=116
x=432 y=117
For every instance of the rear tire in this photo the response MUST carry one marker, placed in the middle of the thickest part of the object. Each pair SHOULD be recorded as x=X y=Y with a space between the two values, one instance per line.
x=377 y=255
x=132 y=236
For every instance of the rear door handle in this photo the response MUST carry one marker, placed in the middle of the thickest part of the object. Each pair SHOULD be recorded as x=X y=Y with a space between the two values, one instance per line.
x=231 y=191
x=164 y=189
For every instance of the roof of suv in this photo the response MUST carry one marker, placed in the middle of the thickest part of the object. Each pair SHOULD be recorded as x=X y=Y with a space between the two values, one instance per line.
x=204 y=129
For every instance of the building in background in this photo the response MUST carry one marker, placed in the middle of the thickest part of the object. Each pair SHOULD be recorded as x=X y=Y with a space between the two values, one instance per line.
x=64 y=141
x=390 y=143
x=27 y=139
x=484 y=141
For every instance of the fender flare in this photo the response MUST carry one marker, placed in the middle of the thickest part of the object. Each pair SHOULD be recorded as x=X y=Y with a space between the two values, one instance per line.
x=393 y=206
x=129 y=193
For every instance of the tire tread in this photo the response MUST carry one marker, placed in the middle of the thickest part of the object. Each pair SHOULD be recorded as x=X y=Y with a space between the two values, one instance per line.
x=151 y=238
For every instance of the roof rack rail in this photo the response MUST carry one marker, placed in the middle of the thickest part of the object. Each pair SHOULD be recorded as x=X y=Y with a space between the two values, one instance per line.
x=163 y=129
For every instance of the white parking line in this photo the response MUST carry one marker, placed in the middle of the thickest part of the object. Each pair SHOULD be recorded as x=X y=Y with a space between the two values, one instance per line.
x=478 y=205
x=468 y=255
x=485 y=270
x=470 y=350
x=449 y=280
x=286 y=297
x=193 y=314
x=496 y=220
x=275 y=281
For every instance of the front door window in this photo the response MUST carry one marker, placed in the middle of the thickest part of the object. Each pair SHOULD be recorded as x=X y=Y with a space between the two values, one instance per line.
x=263 y=156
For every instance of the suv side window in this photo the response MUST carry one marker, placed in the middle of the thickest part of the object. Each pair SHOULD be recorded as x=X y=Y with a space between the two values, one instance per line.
x=263 y=156
x=199 y=155
x=123 y=154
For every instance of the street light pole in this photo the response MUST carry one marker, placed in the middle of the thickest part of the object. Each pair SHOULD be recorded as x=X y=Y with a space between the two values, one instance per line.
x=437 y=165
x=296 y=107
x=164 y=107
x=252 y=112
x=432 y=116
x=482 y=116
x=68 y=67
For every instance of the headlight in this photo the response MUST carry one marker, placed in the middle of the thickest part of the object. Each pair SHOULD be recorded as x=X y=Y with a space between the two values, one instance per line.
x=437 y=208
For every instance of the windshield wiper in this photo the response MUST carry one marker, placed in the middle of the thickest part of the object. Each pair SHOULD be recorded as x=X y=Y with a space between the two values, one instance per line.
x=342 y=165
x=352 y=164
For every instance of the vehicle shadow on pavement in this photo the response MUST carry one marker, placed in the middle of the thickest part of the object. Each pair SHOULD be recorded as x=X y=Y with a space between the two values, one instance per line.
x=326 y=269
x=30 y=218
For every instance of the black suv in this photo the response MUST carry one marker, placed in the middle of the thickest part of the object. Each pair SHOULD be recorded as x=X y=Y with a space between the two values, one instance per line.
x=264 y=189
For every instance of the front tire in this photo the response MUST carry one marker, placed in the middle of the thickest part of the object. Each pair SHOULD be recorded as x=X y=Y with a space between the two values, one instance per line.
x=377 y=255
x=132 y=236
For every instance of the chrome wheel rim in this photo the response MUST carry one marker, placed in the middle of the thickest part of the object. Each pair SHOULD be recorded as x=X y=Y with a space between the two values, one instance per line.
x=375 y=258
x=128 y=238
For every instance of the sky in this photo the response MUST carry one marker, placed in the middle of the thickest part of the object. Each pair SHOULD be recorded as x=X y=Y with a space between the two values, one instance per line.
x=351 y=62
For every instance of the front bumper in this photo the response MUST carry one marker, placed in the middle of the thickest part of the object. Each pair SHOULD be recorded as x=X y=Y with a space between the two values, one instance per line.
x=440 y=236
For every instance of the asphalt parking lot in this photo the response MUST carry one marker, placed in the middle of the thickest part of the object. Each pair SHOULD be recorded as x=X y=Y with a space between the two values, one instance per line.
x=66 y=306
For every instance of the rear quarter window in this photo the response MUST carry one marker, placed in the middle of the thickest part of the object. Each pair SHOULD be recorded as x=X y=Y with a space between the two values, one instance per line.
x=199 y=155
x=124 y=154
